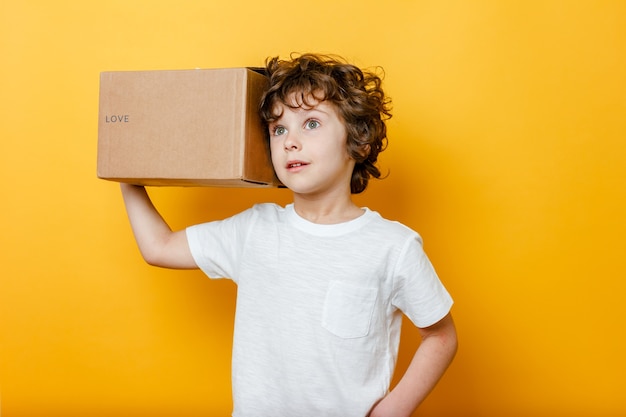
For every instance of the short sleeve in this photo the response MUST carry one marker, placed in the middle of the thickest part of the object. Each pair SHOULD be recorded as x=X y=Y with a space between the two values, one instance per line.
x=218 y=246
x=418 y=292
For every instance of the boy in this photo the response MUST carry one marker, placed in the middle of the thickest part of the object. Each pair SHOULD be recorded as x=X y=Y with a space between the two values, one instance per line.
x=322 y=283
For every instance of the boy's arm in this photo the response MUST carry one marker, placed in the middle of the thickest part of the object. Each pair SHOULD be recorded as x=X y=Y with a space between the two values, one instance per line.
x=434 y=355
x=158 y=244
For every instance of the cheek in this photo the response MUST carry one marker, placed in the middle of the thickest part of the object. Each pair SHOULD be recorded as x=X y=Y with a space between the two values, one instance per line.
x=274 y=152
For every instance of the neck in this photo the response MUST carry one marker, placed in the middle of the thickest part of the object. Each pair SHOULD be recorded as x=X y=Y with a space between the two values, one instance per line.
x=326 y=211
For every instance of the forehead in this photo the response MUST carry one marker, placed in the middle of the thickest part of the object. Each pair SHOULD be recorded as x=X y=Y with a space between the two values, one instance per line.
x=302 y=101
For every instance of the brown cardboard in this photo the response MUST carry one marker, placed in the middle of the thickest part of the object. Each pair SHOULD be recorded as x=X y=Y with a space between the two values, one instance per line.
x=183 y=127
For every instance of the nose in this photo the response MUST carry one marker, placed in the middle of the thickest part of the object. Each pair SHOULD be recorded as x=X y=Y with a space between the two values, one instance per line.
x=292 y=142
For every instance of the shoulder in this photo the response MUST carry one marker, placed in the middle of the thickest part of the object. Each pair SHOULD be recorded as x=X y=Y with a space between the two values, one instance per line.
x=256 y=212
x=267 y=209
x=393 y=229
x=237 y=227
x=243 y=219
x=267 y=212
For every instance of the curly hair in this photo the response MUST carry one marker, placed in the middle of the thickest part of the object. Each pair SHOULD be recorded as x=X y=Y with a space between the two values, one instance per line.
x=356 y=94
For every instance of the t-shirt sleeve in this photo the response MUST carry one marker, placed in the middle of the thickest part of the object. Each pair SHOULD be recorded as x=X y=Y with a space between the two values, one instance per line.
x=418 y=291
x=218 y=246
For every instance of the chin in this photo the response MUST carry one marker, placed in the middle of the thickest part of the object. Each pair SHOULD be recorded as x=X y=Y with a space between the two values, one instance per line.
x=299 y=188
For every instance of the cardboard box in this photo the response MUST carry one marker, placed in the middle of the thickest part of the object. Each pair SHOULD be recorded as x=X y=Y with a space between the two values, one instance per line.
x=184 y=127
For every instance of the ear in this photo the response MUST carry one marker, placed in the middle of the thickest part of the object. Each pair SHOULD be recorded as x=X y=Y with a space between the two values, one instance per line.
x=365 y=150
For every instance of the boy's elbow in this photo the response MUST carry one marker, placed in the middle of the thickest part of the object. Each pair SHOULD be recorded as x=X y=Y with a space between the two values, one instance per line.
x=453 y=344
x=151 y=258
x=450 y=337
x=153 y=255
x=172 y=254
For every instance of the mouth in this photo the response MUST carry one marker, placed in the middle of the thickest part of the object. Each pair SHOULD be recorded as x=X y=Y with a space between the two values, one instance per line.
x=296 y=164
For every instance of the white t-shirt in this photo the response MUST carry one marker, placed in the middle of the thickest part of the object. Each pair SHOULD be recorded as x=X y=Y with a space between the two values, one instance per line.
x=319 y=307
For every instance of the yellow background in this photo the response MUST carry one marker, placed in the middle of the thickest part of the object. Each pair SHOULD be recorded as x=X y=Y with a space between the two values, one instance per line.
x=507 y=153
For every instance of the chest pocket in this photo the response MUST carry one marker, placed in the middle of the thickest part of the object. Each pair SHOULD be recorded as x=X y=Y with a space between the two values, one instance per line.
x=348 y=309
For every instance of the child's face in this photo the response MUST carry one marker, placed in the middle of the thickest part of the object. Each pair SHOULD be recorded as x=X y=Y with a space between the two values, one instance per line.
x=309 y=148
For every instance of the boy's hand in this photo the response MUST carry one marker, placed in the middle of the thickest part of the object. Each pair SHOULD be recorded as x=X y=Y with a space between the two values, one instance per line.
x=434 y=355
x=386 y=408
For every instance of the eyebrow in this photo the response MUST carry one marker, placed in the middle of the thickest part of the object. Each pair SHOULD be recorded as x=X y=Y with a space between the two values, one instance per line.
x=277 y=116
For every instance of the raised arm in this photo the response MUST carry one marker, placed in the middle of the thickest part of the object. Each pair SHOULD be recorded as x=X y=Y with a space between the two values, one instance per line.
x=434 y=355
x=158 y=244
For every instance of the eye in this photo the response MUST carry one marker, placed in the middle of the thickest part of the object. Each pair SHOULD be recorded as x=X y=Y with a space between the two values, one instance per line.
x=278 y=130
x=312 y=124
